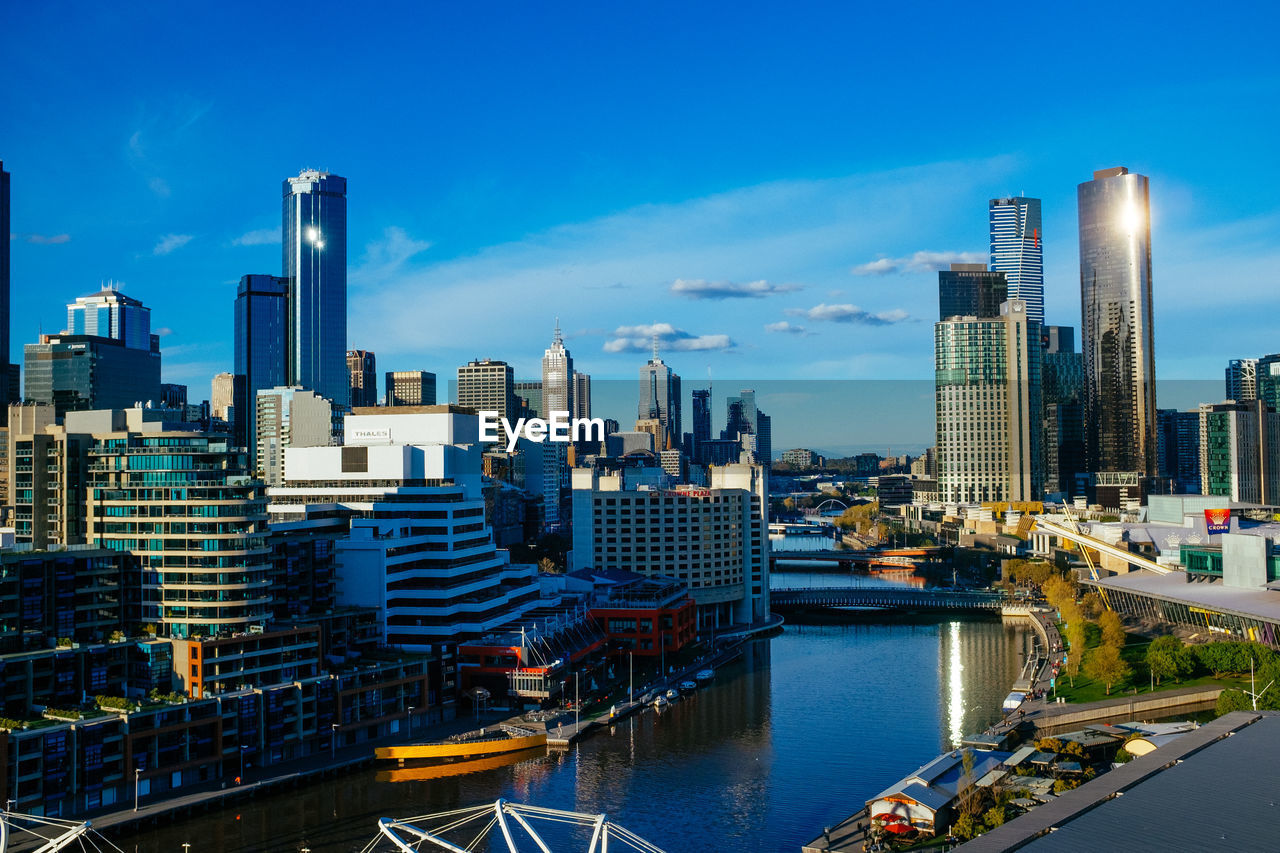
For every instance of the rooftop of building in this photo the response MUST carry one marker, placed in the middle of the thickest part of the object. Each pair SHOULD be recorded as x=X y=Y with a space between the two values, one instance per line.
x=1213 y=595
x=439 y=409
x=1223 y=774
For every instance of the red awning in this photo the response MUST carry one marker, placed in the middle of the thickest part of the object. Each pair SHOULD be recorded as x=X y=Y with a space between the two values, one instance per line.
x=899 y=828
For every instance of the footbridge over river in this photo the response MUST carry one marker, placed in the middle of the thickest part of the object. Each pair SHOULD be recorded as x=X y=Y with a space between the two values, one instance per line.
x=884 y=598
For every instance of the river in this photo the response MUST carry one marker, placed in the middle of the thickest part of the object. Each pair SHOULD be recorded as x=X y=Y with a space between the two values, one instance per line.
x=794 y=736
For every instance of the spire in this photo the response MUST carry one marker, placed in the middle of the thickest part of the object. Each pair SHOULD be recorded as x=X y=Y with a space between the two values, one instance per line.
x=558 y=339
x=655 y=347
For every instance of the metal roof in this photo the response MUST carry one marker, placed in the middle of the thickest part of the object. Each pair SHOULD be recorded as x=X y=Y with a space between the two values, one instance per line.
x=1255 y=603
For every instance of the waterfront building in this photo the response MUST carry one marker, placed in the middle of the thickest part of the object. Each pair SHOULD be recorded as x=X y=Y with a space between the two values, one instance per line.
x=183 y=503
x=660 y=397
x=315 y=265
x=1178 y=449
x=261 y=347
x=419 y=548
x=290 y=417
x=1063 y=390
x=988 y=406
x=927 y=800
x=83 y=372
x=1242 y=380
x=1240 y=451
x=529 y=395
x=1118 y=334
x=7 y=394
x=714 y=540
x=410 y=388
x=1017 y=250
x=581 y=395
x=45 y=472
x=208 y=666
x=78 y=595
x=645 y=616
x=971 y=290
x=362 y=372
x=222 y=396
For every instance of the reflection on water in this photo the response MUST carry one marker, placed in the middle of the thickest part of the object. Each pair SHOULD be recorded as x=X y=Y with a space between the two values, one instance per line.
x=795 y=736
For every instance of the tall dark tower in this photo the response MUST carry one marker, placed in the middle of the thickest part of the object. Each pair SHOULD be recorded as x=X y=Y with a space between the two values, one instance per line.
x=7 y=394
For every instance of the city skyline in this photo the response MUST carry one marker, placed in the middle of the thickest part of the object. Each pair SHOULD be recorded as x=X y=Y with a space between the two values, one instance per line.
x=806 y=252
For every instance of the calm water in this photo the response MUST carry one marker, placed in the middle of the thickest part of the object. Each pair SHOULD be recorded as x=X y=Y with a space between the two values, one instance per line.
x=793 y=737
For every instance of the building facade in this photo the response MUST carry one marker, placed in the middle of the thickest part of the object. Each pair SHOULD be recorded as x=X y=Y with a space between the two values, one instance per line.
x=1242 y=380
x=410 y=388
x=660 y=398
x=222 y=396
x=315 y=265
x=1118 y=338
x=1240 y=451
x=1016 y=250
x=971 y=290
x=362 y=371
x=581 y=395
x=5 y=396
x=1063 y=432
x=83 y=372
x=290 y=417
x=261 y=347
x=557 y=377
x=988 y=405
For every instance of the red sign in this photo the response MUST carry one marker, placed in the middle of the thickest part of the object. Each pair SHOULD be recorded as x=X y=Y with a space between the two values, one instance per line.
x=1217 y=520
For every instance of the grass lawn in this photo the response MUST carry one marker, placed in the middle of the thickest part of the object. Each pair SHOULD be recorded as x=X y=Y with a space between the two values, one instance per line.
x=1138 y=683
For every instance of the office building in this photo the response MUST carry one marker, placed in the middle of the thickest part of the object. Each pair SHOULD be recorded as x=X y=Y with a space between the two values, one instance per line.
x=410 y=388
x=261 y=346
x=46 y=469
x=714 y=540
x=1178 y=449
x=800 y=458
x=419 y=548
x=749 y=426
x=581 y=395
x=173 y=395
x=1242 y=380
x=1118 y=335
x=362 y=372
x=660 y=397
x=1016 y=250
x=200 y=540
x=1240 y=451
x=222 y=396
x=111 y=314
x=557 y=377
x=1063 y=431
x=1267 y=380
x=486 y=385
x=315 y=265
x=701 y=424
x=6 y=395
x=988 y=404
x=290 y=417
x=82 y=372
x=529 y=397
x=971 y=290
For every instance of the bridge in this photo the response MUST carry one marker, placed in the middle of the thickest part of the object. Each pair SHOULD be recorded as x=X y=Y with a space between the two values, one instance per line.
x=900 y=558
x=885 y=598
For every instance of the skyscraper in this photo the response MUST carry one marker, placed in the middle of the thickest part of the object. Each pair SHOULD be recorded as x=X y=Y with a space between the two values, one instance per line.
x=1063 y=392
x=660 y=396
x=289 y=417
x=701 y=424
x=557 y=377
x=4 y=285
x=410 y=388
x=1016 y=250
x=486 y=385
x=315 y=264
x=970 y=290
x=1116 y=307
x=222 y=395
x=362 y=368
x=111 y=314
x=988 y=407
x=581 y=395
x=261 y=354
x=1242 y=379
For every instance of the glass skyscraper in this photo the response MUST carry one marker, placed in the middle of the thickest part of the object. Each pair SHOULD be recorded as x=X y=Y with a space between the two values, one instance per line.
x=660 y=397
x=971 y=290
x=111 y=314
x=1016 y=250
x=4 y=285
x=261 y=359
x=557 y=377
x=315 y=264
x=1116 y=308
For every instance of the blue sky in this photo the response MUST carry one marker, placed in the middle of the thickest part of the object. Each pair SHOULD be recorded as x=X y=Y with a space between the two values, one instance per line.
x=716 y=170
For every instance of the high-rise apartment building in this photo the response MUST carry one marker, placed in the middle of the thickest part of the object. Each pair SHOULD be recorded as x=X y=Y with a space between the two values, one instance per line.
x=184 y=504
x=557 y=376
x=1063 y=393
x=1118 y=335
x=989 y=415
x=752 y=428
x=45 y=470
x=486 y=385
x=261 y=346
x=362 y=371
x=289 y=417
x=5 y=226
x=1016 y=250
x=222 y=398
x=419 y=548
x=81 y=372
x=1240 y=451
x=1178 y=449
x=1242 y=379
x=315 y=265
x=970 y=290
x=581 y=395
x=701 y=424
x=111 y=314
x=529 y=397
x=410 y=388
x=660 y=397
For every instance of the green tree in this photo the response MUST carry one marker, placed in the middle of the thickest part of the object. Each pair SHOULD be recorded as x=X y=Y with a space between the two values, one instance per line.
x=1232 y=700
x=1093 y=605
x=1168 y=658
x=994 y=816
x=1075 y=650
x=1112 y=629
x=966 y=827
x=1106 y=665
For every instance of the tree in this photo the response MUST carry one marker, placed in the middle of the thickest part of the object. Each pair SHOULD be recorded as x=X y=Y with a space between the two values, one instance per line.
x=1112 y=629
x=1106 y=665
x=1075 y=650
x=1093 y=605
x=548 y=566
x=789 y=504
x=1232 y=700
x=994 y=816
x=966 y=827
x=1168 y=658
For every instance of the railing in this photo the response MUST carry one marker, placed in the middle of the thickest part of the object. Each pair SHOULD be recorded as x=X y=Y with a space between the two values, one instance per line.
x=885 y=598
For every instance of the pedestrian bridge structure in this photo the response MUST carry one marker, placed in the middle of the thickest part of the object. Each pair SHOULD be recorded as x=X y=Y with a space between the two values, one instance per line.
x=884 y=598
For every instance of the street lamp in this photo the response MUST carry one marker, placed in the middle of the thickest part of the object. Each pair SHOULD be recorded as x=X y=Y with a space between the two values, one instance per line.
x=186 y=845
x=333 y=741
x=137 y=778
x=410 y=719
x=243 y=748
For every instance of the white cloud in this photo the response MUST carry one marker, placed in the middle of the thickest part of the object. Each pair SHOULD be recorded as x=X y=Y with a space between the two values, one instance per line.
x=171 y=242
x=384 y=259
x=45 y=239
x=698 y=288
x=847 y=313
x=259 y=237
x=640 y=339
x=919 y=262
x=784 y=326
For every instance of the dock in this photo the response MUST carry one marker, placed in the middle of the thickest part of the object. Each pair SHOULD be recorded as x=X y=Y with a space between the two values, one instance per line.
x=848 y=836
